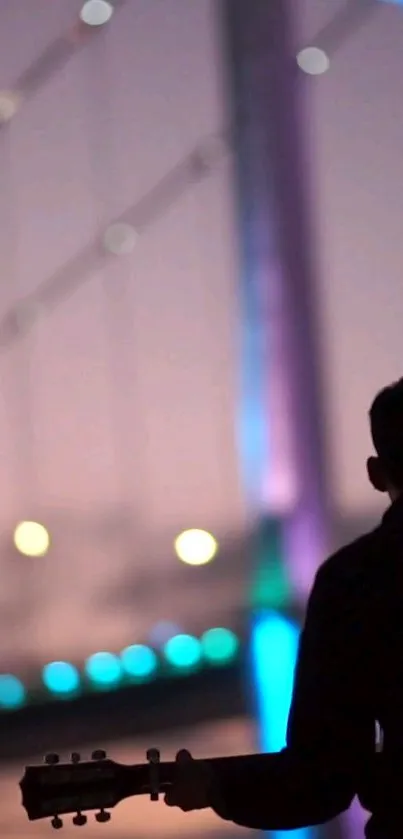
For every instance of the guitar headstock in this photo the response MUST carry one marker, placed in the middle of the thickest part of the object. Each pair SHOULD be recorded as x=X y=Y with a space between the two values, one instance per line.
x=55 y=788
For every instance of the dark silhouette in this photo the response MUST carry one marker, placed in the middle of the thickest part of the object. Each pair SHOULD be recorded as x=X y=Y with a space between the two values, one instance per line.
x=349 y=677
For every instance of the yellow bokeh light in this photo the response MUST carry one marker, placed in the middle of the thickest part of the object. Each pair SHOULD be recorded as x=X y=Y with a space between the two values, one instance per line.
x=31 y=538
x=196 y=547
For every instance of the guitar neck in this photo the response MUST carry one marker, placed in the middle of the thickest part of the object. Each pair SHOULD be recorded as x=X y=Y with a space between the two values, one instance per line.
x=138 y=777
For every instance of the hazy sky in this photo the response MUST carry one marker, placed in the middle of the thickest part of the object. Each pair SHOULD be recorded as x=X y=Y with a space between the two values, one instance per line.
x=356 y=138
x=117 y=411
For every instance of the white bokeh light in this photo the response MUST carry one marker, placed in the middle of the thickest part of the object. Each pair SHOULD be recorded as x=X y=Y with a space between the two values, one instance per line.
x=9 y=104
x=96 y=12
x=120 y=238
x=313 y=60
x=196 y=547
x=31 y=538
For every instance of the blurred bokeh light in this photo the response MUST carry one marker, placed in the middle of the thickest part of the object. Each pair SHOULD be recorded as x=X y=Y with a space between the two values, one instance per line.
x=120 y=239
x=9 y=103
x=31 y=538
x=219 y=645
x=12 y=692
x=162 y=632
x=183 y=652
x=196 y=547
x=313 y=60
x=61 y=677
x=96 y=12
x=103 y=669
x=139 y=662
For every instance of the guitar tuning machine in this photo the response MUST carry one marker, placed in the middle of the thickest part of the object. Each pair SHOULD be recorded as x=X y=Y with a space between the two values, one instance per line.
x=79 y=820
x=75 y=757
x=153 y=757
x=51 y=759
x=56 y=822
x=98 y=754
x=103 y=816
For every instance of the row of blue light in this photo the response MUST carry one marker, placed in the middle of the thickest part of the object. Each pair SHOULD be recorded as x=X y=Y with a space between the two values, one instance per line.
x=138 y=663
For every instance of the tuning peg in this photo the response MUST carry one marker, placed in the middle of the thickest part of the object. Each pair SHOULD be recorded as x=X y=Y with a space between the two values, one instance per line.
x=75 y=757
x=51 y=759
x=56 y=823
x=103 y=816
x=153 y=757
x=98 y=754
x=80 y=820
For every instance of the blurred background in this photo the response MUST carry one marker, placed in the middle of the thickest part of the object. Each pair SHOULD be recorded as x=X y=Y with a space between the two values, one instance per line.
x=200 y=237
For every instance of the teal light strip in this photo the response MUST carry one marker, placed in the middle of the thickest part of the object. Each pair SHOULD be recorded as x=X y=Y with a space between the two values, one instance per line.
x=274 y=646
x=182 y=654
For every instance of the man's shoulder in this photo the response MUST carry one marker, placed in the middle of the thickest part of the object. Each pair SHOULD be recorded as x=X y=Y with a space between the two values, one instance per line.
x=352 y=560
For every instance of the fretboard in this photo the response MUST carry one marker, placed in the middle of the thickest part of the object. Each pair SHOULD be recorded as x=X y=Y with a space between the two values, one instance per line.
x=139 y=776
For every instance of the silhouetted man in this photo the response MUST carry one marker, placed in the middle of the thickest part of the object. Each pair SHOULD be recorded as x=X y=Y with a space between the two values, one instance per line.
x=349 y=675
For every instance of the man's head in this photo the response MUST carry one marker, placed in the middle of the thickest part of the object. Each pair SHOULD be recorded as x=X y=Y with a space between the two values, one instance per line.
x=386 y=419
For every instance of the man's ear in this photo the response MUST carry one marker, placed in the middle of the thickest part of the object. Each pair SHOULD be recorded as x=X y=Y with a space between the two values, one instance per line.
x=376 y=475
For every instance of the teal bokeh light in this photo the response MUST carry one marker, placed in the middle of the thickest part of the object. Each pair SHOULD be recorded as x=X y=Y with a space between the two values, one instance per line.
x=12 y=692
x=219 y=645
x=103 y=669
x=183 y=652
x=139 y=662
x=61 y=677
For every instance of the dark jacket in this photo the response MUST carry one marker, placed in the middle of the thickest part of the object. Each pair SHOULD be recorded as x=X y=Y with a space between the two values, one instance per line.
x=349 y=674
